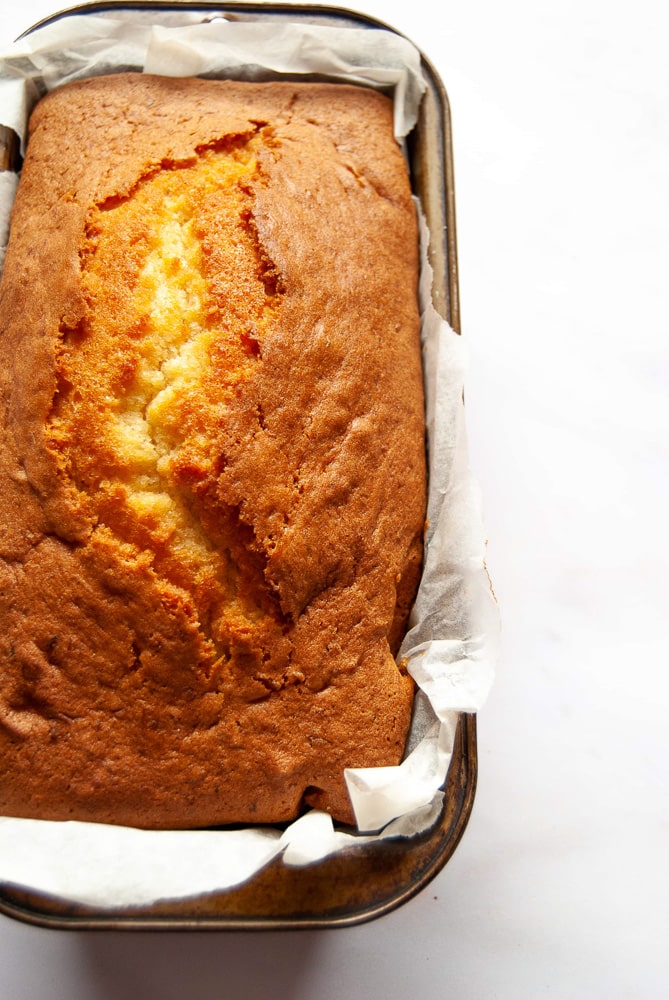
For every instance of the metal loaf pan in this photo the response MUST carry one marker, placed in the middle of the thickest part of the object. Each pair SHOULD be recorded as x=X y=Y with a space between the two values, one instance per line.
x=362 y=882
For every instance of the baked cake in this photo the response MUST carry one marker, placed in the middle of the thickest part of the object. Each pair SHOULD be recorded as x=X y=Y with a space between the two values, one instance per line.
x=212 y=470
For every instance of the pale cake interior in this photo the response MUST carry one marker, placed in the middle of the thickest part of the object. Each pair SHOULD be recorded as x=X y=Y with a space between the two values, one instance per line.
x=171 y=330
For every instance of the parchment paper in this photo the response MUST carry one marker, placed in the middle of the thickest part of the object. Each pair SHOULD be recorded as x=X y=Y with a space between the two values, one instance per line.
x=451 y=645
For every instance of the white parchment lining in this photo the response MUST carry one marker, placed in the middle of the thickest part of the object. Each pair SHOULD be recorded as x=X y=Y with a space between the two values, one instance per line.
x=451 y=646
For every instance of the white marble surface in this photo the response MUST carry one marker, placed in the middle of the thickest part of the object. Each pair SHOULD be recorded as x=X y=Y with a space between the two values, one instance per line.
x=560 y=887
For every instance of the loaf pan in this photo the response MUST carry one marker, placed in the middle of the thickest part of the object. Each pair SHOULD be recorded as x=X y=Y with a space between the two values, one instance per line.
x=366 y=881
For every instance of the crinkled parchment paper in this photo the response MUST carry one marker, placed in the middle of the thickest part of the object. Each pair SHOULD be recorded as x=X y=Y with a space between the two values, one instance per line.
x=452 y=641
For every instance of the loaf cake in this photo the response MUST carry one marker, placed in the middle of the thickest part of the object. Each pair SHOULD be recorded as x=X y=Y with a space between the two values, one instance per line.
x=212 y=470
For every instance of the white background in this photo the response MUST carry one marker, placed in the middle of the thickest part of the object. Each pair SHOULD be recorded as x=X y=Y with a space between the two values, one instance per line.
x=560 y=887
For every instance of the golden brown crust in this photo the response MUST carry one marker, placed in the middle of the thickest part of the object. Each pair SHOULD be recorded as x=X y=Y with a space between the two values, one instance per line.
x=212 y=469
